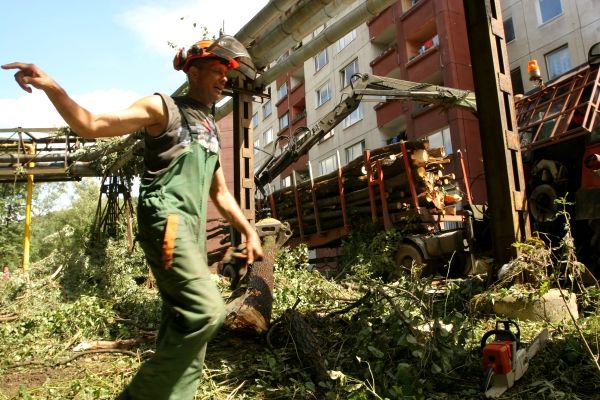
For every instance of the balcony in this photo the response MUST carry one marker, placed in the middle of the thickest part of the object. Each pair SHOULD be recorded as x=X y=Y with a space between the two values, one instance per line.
x=382 y=28
x=428 y=118
x=387 y=62
x=421 y=67
x=391 y=116
x=298 y=120
x=297 y=96
x=414 y=17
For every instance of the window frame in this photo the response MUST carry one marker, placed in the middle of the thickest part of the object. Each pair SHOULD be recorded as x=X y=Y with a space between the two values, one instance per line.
x=345 y=41
x=540 y=11
x=285 y=117
x=285 y=91
x=517 y=83
x=560 y=71
x=318 y=92
x=349 y=149
x=345 y=77
x=286 y=181
x=267 y=136
x=354 y=117
x=445 y=137
x=267 y=106
x=256 y=145
x=324 y=162
x=316 y=59
x=512 y=30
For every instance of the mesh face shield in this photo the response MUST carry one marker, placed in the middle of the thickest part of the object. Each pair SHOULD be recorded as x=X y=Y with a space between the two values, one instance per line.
x=229 y=48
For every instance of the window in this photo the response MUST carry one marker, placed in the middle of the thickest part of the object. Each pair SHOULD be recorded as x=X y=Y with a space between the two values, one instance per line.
x=318 y=30
x=286 y=182
x=558 y=62
x=549 y=9
x=441 y=139
x=509 y=30
x=327 y=165
x=282 y=91
x=355 y=151
x=267 y=136
x=345 y=41
x=323 y=94
x=517 y=81
x=267 y=109
x=321 y=60
x=255 y=120
x=327 y=135
x=353 y=118
x=283 y=121
x=256 y=146
x=348 y=71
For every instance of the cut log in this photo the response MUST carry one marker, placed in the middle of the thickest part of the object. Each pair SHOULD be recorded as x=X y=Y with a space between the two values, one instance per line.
x=249 y=311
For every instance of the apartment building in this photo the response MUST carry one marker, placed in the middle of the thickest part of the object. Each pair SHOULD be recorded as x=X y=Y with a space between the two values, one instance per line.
x=423 y=41
x=556 y=33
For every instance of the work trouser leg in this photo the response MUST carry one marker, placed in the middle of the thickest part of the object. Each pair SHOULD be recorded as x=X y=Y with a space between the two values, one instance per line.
x=193 y=311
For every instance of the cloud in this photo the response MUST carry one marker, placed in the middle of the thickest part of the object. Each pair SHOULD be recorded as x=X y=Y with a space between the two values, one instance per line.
x=36 y=111
x=182 y=23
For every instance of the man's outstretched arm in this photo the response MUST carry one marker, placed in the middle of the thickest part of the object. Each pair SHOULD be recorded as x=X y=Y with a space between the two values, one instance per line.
x=148 y=112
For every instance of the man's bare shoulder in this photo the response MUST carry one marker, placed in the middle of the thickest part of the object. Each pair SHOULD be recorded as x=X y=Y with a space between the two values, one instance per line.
x=156 y=108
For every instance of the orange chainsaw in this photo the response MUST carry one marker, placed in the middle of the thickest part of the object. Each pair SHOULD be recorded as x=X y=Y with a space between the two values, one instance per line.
x=505 y=359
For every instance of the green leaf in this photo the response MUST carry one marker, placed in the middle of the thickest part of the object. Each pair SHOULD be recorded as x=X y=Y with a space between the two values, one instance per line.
x=376 y=352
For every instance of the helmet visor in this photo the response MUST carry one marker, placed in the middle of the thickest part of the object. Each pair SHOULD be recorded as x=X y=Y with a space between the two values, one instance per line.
x=229 y=48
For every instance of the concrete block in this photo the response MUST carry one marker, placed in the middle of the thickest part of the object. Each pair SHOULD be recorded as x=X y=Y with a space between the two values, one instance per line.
x=550 y=307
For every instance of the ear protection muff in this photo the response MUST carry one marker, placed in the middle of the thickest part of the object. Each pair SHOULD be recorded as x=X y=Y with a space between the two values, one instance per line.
x=179 y=59
x=183 y=55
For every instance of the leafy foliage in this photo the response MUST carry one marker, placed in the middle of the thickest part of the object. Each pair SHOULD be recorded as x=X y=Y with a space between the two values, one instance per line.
x=404 y=339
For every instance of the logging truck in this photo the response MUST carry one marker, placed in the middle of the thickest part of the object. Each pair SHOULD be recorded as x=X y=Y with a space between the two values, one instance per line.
x=405 y=185
x=560 y=143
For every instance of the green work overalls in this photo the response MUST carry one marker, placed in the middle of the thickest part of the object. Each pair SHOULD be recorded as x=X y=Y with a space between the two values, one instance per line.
x=172 y=225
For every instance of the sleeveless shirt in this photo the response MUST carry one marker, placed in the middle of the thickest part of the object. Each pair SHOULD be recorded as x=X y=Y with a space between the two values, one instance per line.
x=187 y=120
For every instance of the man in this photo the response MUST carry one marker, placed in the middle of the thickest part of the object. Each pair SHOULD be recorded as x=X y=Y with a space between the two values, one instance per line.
x=182 y=170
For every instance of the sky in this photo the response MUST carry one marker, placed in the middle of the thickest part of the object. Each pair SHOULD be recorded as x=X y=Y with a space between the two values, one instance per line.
x=105 y=53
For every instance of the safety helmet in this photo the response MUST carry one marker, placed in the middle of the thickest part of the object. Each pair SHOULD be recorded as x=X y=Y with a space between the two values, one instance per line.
x=226 y=48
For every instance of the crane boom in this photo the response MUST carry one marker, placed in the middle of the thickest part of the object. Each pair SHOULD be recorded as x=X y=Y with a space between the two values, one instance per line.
x=384 y=88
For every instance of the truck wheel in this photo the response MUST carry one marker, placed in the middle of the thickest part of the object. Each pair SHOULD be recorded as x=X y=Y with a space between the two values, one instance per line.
x=408 y=256
x=541 y=203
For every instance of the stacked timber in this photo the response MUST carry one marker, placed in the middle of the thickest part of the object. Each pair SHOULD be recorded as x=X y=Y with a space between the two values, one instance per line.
x=370 y=185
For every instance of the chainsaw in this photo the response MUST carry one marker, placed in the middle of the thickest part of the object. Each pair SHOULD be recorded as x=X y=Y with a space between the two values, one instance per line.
x=505 y=359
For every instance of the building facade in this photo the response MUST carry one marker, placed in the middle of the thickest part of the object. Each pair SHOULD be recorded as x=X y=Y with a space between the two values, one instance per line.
x=423 y=41
x=556 y=33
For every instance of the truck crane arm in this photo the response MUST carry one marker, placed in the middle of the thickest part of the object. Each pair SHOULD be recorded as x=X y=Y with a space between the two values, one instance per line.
x=385 y=89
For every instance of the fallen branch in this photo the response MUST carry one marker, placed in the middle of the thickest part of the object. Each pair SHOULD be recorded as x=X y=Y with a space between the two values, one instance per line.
x=72 y=358
x=8 y=317
x=399 y=313
x=111 y=344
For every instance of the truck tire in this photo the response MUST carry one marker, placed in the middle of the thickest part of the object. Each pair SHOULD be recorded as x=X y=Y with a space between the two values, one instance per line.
x=541 y=203
x=407 y=256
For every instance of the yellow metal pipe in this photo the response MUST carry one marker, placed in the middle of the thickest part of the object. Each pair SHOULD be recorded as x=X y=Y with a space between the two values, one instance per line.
x=29 y=149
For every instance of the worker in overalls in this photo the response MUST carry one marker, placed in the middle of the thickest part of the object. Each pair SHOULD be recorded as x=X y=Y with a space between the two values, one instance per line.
x=182 y=170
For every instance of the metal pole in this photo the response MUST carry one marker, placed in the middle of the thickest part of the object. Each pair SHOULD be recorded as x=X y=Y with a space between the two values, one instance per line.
x=243 y=152
x=30 y=149
x=497 y=123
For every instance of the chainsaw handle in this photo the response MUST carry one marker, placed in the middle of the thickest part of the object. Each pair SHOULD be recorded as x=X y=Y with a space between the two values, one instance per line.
x=507 y=324
x=497 y=332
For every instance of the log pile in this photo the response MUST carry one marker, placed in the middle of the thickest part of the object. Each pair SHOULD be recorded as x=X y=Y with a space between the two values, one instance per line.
x=319 y=205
